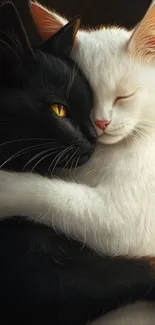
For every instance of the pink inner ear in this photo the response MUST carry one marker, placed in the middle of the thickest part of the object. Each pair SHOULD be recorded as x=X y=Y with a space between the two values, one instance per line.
x=142 y=41
x=47 y=22
x=151 y=42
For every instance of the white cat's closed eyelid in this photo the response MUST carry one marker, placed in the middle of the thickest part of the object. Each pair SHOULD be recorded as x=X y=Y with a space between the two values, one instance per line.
x=125 y=97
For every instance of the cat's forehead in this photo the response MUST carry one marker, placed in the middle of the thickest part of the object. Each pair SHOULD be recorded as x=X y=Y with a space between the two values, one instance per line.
x=102 y=56
x=102 y=46
x=48 y=70
x=110 y=37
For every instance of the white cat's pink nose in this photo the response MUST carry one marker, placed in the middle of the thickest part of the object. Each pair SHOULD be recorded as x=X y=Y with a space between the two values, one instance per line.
x=102 y=124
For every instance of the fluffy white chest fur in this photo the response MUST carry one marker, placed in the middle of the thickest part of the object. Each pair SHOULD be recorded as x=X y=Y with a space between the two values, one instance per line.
x=123 y=212
x=111 y=204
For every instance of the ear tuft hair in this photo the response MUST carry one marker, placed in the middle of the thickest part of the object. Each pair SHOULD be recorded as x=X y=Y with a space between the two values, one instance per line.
x=142 y=42
x=18 y=34
x=48 y=22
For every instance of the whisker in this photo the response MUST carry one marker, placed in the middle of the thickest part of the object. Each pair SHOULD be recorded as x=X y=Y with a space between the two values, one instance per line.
x=39 y=161
x=73 y=156
x=21 y=152
x=36 y=156
x=59 y=156
x=74 y=171
x=67 y=161
x=28 y=139
x=58 y=159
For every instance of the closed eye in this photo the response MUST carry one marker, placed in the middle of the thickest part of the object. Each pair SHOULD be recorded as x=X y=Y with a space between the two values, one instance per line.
x=124 y=97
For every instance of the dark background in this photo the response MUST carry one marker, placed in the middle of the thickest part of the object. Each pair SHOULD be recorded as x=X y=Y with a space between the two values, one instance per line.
x=96 y=12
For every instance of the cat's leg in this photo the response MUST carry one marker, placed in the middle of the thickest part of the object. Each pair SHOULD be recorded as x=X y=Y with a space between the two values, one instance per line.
x=32 y=195
x=77 y=210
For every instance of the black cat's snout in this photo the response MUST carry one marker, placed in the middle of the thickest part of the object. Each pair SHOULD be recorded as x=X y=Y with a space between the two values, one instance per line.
x=93 y=138
x=92 y=134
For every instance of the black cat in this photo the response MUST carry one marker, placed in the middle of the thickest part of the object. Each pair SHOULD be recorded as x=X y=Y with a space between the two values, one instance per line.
x=45 y=100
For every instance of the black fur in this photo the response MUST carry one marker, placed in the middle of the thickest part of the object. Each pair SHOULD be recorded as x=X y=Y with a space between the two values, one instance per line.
x=47 y=279
x=31 y=134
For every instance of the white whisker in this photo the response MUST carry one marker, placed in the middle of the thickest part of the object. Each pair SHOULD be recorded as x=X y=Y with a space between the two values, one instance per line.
x=21 y=152
x=39 y=161
x=39 y=154
x=59 y=156
x=28 y=139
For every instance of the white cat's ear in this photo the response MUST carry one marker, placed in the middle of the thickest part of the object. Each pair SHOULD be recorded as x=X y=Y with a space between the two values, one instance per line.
x=47 y=22
x=142 y=42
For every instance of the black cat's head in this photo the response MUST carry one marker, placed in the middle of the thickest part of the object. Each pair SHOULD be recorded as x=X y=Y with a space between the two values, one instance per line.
x=45 y=101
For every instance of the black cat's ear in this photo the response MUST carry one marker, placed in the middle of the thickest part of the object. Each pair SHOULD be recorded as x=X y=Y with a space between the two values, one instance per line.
x=63 y=41
x=58 y=34
x=14 y=25
x=24 y=10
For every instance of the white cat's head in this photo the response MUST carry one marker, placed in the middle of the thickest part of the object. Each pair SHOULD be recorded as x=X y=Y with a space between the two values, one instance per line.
x=122 y=78
x=120 y=66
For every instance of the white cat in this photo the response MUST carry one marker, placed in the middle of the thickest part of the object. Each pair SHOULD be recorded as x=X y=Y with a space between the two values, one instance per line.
x=111 y=207
x=136 y=314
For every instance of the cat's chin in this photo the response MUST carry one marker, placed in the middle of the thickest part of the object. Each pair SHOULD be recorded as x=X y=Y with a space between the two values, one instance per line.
x=110 y=139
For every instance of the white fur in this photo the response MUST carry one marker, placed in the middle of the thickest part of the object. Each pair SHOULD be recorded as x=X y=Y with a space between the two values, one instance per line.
x=137 y=314
x=111 y=207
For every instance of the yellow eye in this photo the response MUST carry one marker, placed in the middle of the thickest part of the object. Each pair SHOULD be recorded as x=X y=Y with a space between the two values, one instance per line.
x=60 y=110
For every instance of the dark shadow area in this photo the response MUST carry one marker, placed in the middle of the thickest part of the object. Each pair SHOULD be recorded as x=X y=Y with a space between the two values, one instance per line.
x=96 y=12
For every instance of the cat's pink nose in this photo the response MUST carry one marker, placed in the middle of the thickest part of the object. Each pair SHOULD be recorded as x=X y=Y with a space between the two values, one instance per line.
x=102 y=124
